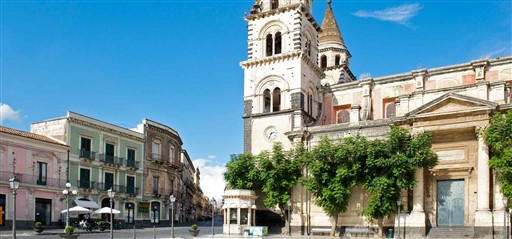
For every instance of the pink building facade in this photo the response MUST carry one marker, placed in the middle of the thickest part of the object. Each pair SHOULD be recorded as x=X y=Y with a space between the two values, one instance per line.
x=40 y=164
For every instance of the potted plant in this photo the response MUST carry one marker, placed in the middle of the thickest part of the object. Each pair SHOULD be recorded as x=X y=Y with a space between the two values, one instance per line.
x=69 y=233
x=102 y=225
x=38 y=227
x=193 y=230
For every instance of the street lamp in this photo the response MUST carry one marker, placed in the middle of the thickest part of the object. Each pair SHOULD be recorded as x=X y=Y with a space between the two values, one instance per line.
x=213 y=215
x=14 y=184
x=289 y=203
x=66 y=193
x=505 y=212
x=398 y=203
x=111 y=195
x=173 y=199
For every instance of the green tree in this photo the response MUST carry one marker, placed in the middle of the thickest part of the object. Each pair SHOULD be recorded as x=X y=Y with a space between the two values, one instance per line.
x=334 y=169
x=390 y=168
x=279 y=171
x=498 y=136
x=241 y=172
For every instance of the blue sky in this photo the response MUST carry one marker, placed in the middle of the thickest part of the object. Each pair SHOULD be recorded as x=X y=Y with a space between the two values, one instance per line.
x=177 y=62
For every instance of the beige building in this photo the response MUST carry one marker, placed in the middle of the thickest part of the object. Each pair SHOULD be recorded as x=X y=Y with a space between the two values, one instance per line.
x=298 y=87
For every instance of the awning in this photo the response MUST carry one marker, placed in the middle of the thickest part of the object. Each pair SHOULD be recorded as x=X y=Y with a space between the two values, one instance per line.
x=87 y=204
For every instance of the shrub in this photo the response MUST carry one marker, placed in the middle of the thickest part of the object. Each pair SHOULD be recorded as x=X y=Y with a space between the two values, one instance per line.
x=194 y=226
x=69 y=230
x=38 y=225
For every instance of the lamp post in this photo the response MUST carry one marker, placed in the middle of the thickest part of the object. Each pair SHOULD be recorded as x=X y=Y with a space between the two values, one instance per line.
x=66 y=193
x=399 y=203
x=173 y=199
x=111 y=195
x=289 y=203
x=14 y=184
x=505 y=212
x=213 y=215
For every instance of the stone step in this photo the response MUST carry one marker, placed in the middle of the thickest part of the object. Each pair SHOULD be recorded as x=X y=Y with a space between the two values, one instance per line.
x=451 y=232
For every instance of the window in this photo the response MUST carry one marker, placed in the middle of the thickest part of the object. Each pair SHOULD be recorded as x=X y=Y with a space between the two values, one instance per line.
x=85 y=148
x=390 y=110
x=130 y=212
x=130 y=185
x=266 y=100
x=276 y=100
x=275 y=4
x=143 y=210
x=109 y=181
x=273 y=44
x=85 y=176
x=343 y=116
x=233 y=216
x=277 y=43
x=130 y=158
x=337 y=60
x=41 y=173
x=109 y=153
x=155 y=185
x=310 y=104
x=244 y=213
x=156 y=150
x=323 y=61
x=269 y=44
x=172 y=153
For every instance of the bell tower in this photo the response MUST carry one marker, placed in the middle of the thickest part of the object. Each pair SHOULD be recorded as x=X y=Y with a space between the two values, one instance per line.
x=281 y=73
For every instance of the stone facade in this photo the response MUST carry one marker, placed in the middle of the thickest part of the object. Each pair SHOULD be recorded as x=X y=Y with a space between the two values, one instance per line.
x=454 y=102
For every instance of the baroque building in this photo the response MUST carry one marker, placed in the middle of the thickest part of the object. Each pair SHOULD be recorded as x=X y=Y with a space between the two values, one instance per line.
x=39 y=163
x=298 y=87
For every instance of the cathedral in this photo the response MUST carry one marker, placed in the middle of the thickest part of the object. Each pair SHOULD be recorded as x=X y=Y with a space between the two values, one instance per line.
x=298 y=87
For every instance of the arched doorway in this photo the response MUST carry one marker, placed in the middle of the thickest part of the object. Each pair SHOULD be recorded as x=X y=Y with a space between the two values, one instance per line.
x=129 y=212
x=106 y=203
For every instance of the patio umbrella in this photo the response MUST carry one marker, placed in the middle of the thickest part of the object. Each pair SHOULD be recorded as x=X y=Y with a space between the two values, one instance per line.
x=107 y=210
x=77 y=209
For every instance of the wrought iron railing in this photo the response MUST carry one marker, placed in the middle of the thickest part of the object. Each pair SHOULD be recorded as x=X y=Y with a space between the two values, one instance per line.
x=157 y=157
x=130 y=163
x=86 y=154
x=33 y=179
x=111 y=159
x=86 y=184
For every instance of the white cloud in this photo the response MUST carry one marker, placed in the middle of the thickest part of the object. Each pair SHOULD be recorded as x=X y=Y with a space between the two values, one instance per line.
x=212 y=179
x=495 y=53
x=8 y=113
x=400 y=14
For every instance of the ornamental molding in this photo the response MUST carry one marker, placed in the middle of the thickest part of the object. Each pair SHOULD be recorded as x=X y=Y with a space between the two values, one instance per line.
x=104 y=129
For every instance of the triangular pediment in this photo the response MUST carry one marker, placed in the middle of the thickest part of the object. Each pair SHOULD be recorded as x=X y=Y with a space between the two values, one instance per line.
x=452 y=103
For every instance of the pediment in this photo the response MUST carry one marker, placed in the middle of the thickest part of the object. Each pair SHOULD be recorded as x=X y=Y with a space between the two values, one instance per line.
x=452 y=103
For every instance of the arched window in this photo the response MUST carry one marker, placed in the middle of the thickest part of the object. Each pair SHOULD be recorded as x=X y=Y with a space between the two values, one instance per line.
x=343 y=116
x=323 y=61
x=390 y=110
x=275 y=4
x=266 y=101
x=337 y=60
x=269 y=45
x=310 y=104
x=276 y=100
x=277 y=43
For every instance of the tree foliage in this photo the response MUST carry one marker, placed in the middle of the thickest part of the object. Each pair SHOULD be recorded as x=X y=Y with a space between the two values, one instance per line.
x=498 y=136
x=241 y=172
x=334 y=170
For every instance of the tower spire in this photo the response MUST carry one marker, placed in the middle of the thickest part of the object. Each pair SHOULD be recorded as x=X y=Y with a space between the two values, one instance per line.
x=330 y=31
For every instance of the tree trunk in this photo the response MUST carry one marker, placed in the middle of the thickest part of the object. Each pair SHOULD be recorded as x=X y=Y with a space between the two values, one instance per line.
x=381 y=227
x=334 y=224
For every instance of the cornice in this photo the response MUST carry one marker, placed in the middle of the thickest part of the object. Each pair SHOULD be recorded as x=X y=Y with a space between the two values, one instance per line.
x=170 y=134
x=105 y=129
x=272 y=12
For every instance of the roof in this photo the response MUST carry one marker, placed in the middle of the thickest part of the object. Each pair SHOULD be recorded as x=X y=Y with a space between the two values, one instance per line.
x=330 y=31
x=30 y=135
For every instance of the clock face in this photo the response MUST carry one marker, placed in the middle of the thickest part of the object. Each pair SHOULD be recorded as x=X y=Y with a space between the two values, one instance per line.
x=271 y=133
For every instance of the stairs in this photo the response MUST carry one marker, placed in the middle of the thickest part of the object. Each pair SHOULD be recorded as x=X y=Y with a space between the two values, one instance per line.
x=451 y=232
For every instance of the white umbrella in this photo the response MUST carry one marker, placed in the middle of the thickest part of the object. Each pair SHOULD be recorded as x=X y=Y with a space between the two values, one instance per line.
x=107 y=210
x=77 y=209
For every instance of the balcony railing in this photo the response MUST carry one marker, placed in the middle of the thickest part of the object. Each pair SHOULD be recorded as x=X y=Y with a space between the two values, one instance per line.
x=111 y=159
x=85 y=184
x=132 y=163
x=86 y=154
x=156 y=192
x=132 y=190
x=117 y=188
x=157 y=157
x=175 y=163
x=33 y=179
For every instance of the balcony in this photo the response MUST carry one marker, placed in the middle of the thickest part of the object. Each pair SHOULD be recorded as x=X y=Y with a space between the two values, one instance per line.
x=86 y=154
x=132 y=190
x=157 y=157
x=86 y=184
x=109 y=159
x=33 y=179
x=132 y=164
x=175 y=163
x=158 y=192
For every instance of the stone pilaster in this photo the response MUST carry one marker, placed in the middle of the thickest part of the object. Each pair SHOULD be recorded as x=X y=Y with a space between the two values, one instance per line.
x=354 y=113
x=416 y=220
x=483 y=215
